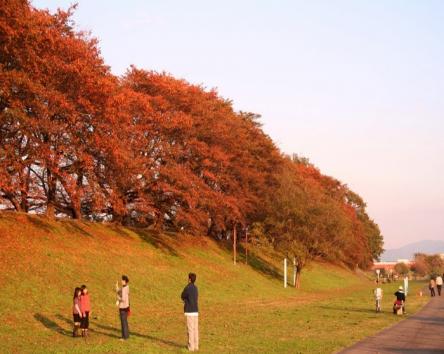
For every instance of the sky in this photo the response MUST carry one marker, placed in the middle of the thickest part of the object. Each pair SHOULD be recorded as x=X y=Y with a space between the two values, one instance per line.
x=355 y=86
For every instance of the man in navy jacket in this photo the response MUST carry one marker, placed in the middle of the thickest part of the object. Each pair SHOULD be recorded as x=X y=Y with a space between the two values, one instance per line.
x=190 y=298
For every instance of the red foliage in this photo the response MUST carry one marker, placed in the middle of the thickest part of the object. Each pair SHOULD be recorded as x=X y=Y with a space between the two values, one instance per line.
x=147 y=148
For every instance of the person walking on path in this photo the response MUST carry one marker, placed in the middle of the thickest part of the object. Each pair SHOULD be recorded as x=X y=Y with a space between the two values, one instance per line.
x=190 y=298
x=85 y=308
x=378 y=296
x=400 y=299
x=76 y=312
x=439 y=284
x=124 y=305
x=432 y=287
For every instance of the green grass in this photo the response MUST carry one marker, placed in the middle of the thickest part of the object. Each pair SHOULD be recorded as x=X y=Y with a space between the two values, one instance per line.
x=242 y=308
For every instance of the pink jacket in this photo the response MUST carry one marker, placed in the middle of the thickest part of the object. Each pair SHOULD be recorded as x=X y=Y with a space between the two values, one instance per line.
x=85 y=304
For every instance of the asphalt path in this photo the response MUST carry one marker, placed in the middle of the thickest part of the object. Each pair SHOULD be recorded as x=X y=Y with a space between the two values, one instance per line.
x=421 y=333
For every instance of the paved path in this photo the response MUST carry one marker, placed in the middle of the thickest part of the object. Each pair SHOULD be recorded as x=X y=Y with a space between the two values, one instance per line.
x=421 y=333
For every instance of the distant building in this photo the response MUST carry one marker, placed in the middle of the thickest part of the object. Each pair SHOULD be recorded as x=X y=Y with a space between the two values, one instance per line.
x=405 y=261
x=387 y=266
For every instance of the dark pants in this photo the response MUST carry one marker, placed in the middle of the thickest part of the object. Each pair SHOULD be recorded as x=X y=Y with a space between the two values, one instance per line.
x=432 y=292
x=84 y=323
x=124 y=322
x=439 y=289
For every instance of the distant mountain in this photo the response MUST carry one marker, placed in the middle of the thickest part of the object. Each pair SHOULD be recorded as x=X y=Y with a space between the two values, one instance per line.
x=407 y=251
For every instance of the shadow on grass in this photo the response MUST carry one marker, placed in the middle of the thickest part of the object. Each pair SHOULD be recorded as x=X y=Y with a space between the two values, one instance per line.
x=135 y=334
x=115 y=330
x=260 y=265
x=91 y=330
x=360 y=310
x=75 y=227
x=39 y=222
x=50 y=324
x=156 y=239
x=255 y=261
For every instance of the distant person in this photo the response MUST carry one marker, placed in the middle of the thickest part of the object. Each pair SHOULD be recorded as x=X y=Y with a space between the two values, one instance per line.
x=190 y=298
x=378 y=296
x=400 y=300
x=432 y=287
x=76 y=312
x=439 y=284
x=124 y=305
x=85 y=308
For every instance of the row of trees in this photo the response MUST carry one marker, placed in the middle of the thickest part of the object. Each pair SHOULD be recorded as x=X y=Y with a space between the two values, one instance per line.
x=149 y=149
x=428 y=265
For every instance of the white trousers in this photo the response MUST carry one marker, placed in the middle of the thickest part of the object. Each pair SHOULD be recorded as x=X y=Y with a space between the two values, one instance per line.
x=193 y=332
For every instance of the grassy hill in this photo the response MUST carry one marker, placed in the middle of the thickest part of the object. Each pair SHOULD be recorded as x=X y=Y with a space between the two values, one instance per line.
x=243 y=308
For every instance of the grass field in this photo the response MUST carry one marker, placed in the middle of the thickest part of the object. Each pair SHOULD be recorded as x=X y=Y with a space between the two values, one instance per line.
x=243 y=309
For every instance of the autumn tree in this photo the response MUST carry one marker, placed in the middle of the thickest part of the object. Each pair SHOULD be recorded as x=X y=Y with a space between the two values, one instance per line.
x=401 y=269
x=148 y=149
x=435 y=265
x=212 y=162
x=420 y=266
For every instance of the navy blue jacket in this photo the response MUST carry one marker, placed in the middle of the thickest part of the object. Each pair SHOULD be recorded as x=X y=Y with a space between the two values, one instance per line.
x=189 y=297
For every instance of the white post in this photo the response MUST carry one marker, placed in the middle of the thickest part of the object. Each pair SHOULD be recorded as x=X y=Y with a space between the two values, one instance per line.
x=285 y=272
x=406 y=285
x=377 y=273
x=294 y=271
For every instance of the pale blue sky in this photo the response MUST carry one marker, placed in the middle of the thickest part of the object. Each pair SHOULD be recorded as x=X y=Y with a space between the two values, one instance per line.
x=356 y=86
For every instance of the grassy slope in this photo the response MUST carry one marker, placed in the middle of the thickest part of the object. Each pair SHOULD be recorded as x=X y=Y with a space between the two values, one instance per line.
x=242 y=308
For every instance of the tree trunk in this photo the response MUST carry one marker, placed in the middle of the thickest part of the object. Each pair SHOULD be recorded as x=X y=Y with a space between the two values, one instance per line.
x=246 y=246
x=76 y=200
x=76 y=210
x=15 y=203
x=298 y=276
x=234 y=244
x=24 y=205
x=50 y=195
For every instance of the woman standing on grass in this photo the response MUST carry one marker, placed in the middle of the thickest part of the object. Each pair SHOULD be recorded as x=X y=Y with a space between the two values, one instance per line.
x=85 y=308
x=76 y=312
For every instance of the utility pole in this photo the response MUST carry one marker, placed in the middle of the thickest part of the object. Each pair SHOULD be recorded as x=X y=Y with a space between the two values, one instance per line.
x=285 y=272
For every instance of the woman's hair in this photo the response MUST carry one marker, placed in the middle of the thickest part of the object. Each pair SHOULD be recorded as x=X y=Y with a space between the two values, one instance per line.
x=125 y=278
x=76 y=292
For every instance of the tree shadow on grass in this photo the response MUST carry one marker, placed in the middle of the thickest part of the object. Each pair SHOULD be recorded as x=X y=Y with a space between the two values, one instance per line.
x=50 y=324
x=40 y=222
x=361 y=310
x=75 y=227
x=260 y=265
x=156 y=239
x=255 y=261
x=153 y=237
